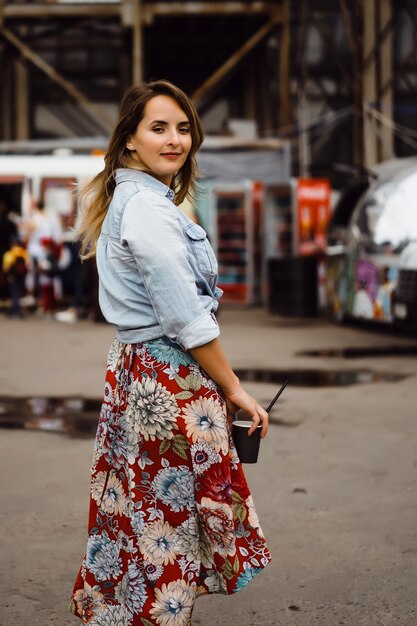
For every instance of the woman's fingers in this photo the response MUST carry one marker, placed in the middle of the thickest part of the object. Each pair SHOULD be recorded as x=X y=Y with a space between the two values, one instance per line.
x=231 y=409
x=255 y=423
x=265 y=422
x=260 y=417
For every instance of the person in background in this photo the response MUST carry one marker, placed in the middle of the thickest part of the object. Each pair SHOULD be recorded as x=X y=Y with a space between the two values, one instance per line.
x=8 y=230
x=84 y=303
x=44 y=244
x=16 y=262
x=171 y=514
x=49 y=281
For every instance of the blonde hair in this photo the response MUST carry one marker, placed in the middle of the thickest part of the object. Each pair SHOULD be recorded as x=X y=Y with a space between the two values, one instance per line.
x=97 y=195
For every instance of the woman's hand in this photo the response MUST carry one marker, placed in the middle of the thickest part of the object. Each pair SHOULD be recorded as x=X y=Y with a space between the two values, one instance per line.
x=214 y=362
x=237 y=398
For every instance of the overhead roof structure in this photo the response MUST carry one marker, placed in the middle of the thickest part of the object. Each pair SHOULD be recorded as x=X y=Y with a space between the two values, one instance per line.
x=336 y=77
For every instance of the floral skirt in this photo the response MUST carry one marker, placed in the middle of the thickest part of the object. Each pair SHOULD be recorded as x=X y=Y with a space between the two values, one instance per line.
x=171 y=516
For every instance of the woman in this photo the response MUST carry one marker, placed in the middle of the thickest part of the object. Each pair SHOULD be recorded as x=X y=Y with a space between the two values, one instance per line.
x=171 y=516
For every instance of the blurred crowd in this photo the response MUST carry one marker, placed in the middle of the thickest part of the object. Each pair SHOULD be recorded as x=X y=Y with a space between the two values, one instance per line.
x=40 y=273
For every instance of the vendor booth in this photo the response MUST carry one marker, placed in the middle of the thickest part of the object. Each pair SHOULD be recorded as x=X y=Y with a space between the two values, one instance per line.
x=230 y=205
x=296 y=216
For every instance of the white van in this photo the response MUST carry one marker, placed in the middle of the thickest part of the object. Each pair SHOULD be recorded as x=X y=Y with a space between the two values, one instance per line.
x=404 y=298
x=371 y=259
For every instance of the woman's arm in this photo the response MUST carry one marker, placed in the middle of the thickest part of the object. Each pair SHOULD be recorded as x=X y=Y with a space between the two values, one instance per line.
x=213 y=360
x=152 y=231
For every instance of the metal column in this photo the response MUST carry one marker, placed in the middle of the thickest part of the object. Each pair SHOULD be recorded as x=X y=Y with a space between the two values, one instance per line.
x=377 y=81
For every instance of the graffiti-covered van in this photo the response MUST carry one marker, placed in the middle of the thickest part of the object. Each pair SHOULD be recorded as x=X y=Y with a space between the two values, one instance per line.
x=371 y=259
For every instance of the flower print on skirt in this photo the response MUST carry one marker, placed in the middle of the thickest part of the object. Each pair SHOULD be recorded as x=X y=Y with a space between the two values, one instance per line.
x=171 y=516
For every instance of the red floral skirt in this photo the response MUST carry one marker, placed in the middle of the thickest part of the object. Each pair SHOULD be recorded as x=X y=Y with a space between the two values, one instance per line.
x=171 y=516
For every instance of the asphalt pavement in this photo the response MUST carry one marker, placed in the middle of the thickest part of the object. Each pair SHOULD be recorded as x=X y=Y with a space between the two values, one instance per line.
x=335 y=486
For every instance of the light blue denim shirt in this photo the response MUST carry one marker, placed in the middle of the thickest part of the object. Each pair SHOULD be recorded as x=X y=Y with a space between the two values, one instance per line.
x=157 y=270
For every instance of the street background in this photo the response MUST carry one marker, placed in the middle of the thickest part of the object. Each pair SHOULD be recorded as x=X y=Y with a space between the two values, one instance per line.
x=335 y=486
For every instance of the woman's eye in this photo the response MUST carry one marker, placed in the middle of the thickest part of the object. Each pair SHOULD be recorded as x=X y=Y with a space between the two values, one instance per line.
x=158 y=129
x=184 y=131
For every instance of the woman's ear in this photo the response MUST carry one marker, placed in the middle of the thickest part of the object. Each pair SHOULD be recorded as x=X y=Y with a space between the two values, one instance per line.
x=129 y=144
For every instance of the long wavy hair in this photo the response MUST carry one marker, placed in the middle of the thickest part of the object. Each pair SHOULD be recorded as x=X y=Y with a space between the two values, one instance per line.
x=97 y=195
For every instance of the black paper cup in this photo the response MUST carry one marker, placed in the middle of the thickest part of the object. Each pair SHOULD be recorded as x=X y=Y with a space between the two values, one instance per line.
x=247 y=447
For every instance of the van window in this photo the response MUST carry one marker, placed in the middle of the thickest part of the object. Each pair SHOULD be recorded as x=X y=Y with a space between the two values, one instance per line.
x=347 y=202
x=339 y=221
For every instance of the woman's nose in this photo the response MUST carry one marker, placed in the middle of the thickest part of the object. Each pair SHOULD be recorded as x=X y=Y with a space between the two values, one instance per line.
x=173 y=139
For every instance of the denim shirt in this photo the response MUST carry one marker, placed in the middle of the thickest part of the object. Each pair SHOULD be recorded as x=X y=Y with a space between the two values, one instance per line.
x=157 y=270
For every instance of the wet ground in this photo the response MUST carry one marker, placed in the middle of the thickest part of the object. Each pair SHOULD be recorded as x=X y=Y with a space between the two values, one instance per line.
x=78 y=417
x=335 y=485
x=356 y=353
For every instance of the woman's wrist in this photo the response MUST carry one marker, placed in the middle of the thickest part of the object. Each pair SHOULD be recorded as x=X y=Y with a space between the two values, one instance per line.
x=213 y=360
x=232 y=386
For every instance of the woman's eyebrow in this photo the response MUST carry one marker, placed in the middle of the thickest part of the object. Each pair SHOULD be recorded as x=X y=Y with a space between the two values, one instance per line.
x=164 y=123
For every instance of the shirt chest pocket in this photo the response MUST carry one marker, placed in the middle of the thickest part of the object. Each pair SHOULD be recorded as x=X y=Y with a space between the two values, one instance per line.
x=201 y=249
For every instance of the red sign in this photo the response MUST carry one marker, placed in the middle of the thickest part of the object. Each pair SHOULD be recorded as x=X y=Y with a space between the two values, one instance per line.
x=313 y=213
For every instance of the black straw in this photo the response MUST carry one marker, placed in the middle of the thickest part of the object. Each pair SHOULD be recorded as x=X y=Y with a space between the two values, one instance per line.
x=277 y=395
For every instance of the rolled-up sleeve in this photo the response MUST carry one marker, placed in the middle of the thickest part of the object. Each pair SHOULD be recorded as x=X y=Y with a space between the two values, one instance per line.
x=152 y=230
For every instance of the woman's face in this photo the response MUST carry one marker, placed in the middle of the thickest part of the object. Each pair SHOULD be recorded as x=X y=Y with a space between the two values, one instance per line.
x=162 y=139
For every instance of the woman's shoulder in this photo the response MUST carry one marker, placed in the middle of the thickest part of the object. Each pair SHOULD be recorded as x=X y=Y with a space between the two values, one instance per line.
x=130 y=197
x=133 y=183
x=125 y=189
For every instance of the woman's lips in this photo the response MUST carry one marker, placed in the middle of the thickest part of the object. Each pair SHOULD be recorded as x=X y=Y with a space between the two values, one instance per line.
x=171 y=156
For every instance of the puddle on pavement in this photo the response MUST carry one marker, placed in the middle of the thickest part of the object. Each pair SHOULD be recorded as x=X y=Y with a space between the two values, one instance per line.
x=355 y=353
x=78 y=417
x=317 y=378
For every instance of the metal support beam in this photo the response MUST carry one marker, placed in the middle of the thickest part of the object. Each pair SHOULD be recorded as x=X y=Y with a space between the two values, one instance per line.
x=150 y=10
x=356 y=36
x=232 y=62
x=137 y=44
x=348 y=25
x=284 y=67
x=42 y=11
x=304 y=153
x=250 y=91
x=84 y=102
x=6 y=97
x=377 y=72
x=385 y=91
x=369 y=81
x=132 y=17
x=169 y=9
x=21 y=99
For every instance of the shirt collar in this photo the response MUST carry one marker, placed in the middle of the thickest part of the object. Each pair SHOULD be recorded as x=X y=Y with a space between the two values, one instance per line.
x=125 y=174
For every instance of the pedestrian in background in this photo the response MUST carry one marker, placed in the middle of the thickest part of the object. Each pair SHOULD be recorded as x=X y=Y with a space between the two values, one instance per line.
x=8 y=230
x=44 y=243
x=16 y=262
x=171 y=515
